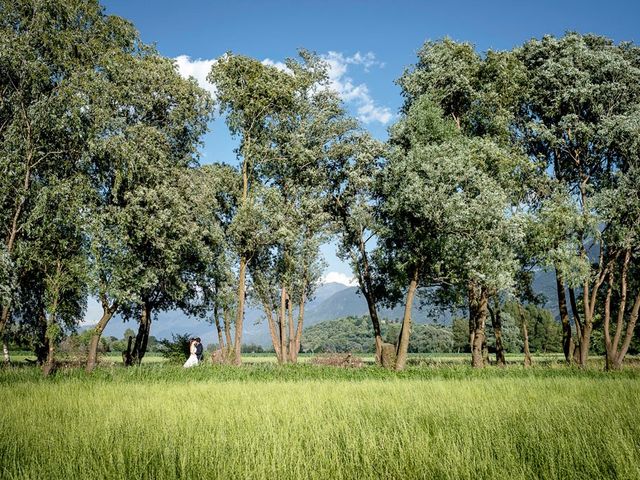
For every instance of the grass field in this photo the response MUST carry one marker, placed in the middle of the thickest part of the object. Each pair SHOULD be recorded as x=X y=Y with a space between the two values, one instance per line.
x=263 y=421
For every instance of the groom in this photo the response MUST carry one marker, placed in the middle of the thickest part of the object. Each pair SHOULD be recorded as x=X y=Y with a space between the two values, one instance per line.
x=199 y=349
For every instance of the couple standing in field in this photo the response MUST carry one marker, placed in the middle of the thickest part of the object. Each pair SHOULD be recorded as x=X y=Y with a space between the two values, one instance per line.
x=195 y=353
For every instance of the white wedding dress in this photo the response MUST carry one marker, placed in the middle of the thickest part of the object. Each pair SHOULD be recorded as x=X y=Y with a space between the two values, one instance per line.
x=193 y=359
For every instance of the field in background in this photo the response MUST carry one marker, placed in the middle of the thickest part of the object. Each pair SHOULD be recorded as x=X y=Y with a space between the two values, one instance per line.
x=263 y=421
x=426 y=359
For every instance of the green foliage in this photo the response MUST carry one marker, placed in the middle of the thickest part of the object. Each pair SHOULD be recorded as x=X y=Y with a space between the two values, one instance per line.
x=175 y=350
x=460 y=332
x=355 y=334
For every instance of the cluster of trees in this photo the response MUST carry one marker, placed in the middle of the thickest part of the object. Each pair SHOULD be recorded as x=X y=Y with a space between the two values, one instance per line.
x=355 y=334
x=499 y=164
x=511 y=161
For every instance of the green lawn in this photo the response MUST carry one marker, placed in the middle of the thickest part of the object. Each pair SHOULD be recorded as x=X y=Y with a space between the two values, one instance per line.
x=263 y=421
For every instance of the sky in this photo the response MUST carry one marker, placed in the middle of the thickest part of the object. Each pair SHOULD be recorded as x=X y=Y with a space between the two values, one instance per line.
x=367 y=44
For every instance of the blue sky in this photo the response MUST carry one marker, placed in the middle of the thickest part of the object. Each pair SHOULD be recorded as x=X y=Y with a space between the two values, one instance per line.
x=368 y=43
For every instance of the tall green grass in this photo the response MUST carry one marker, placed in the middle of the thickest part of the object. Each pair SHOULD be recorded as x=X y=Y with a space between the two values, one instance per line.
x=263 y=421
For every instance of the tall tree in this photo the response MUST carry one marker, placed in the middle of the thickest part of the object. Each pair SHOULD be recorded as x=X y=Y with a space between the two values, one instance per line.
x=251 y=94
x=150 y=123
x=618 y=205
x=214 y=191
x=54 y=248
x=451 y=81
x=352 y=172
x=574 y=85
x=50 y=53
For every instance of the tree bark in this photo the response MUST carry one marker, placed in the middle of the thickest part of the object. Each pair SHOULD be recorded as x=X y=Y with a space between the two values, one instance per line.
x=5 y=352
x=227 y=333
x=496 y=322
x=283 y=325
x=478 y=303
x=142 y=338
x=216 y=320
x=49 y=366
x=299 y=329
x=4 y=320
x=366 y=287
x=577 y=320
x=528 y=361
x=292 y=335
x=41 y=348
x=614 y=352
x=564 y=317
x=405 y=331
x=272 y=329
x=237 y=354
x=92 y=356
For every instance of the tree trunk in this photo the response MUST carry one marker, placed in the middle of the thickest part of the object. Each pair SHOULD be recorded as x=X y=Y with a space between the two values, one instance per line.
x=227 y=333
x=299 y=329
x=237 y=355
x=4 y=320
x=577 y=320
x=92 y=357
x=216 y=320
x=41 y=348
x=564 y=317
x=477 y=319
x=282 y=319
x=142 y=338
x=272 y=329
x=614 y=352
x=292 y=335
x=127 y=357
x=366 y=287
x=633 y=319
x=496 y=322
x=527 y=353
x=49 y=366
x=5 y=352
x=525 y=336
x=405 y=331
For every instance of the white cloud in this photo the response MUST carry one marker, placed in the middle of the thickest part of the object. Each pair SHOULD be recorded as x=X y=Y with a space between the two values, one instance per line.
x=338 y=277
x=366 y=108
x=279 y=65
x=198 y=69
x=357 y=95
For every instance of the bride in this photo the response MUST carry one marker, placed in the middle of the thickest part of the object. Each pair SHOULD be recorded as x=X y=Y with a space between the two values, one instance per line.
x=193 y=358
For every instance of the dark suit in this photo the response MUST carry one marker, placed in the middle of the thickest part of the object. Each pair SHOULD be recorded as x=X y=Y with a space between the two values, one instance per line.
x=199 y=350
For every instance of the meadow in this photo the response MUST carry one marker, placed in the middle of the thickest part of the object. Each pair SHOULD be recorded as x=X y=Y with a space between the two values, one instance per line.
x=159 y=421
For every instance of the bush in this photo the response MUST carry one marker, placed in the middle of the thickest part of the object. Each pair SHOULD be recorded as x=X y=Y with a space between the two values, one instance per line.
x=175 y=350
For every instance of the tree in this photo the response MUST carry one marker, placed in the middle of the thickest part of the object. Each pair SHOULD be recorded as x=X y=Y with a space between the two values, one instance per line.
x=444 y=218
x=55 y=249
x=50 y=54
x=575 y=86
x=250 y=93
x=352 y=174
x=291 y=126
x=619 y=207
x=214 y=192
x=151 y=120
x=472 y=155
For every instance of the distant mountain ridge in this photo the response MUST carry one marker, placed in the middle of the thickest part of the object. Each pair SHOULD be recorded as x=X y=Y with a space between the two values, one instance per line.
x=331 y=301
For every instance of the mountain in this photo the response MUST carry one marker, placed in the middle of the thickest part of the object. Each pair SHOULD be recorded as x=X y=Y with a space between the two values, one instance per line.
x=348 y=302
x=331 y=301
x=255 y=329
